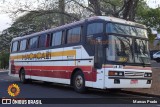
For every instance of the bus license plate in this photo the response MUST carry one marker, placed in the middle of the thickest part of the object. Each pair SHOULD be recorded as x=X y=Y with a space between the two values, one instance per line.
x=134 y=82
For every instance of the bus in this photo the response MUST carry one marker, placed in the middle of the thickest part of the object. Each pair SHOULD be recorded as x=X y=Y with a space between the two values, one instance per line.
x=98 y=52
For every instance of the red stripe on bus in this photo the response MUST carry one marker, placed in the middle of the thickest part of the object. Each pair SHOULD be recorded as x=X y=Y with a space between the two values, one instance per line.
x=59 y=71
x=68 y=68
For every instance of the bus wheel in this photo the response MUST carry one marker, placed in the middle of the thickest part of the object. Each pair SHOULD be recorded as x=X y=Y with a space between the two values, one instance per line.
x=22 y=76
x=79 y=82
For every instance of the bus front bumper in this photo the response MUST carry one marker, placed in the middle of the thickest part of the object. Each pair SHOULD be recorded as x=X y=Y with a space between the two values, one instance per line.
x=122 y=82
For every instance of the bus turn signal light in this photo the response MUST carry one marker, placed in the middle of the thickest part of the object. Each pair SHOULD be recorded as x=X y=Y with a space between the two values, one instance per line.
x=116 y=73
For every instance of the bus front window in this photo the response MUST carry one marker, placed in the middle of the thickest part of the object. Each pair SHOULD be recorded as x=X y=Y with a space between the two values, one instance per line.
x=119 y=49
x=123 y=50
x=141 y=52
x=126 y=30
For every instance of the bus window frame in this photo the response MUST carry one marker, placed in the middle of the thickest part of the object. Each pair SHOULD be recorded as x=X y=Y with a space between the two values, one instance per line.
x=39 y=41
x=64 y=38
x=91 y=51
x=72 y=27
x=20 y=44
x=95 y=21
x=124 y=25
x=17 y=46
x=29 y=43
x=51 y=34
x=48 y=35
x=133 y=37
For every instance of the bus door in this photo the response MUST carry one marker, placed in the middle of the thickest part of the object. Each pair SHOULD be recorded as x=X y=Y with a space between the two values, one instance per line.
x=94 y=40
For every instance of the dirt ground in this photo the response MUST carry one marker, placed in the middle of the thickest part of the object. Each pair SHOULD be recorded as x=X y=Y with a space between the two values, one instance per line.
x=155 y=88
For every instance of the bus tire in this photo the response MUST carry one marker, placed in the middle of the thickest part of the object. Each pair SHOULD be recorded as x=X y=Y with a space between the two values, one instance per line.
x=79 y=82
x=22 y=76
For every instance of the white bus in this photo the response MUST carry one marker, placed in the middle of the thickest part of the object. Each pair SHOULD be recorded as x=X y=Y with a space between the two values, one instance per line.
x=99 y=52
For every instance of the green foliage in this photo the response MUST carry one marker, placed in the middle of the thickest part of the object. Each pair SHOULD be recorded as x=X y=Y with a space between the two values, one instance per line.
x=36 y=21
x=149 y=17
x=4 y=60
x=49 y=17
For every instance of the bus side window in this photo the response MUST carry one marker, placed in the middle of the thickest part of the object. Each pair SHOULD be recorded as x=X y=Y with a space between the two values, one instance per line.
x=18 y=47
x=33 y=43
x=23 y=44
x=74 y=35
x=63 y=37
x=48 y=40
x=42 y=41
x=28 y=40
x=15 y=46
x=57 y=38
x=94 y=28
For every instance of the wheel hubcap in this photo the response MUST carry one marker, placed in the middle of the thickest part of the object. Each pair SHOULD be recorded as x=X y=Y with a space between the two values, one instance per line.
x=79 y=81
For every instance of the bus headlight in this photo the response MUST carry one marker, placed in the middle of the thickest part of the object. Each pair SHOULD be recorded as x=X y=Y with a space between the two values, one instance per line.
x=121 y=74
x=116 y=73
x=148 y=75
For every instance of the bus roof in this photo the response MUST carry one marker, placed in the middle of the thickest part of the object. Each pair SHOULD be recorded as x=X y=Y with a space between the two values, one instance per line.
x=117 y=20
x=105 y=18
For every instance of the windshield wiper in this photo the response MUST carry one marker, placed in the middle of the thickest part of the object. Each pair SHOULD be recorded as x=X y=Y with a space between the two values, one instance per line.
x=139 y=53
x=143 y=52
x=123 y=53
x=143 y=62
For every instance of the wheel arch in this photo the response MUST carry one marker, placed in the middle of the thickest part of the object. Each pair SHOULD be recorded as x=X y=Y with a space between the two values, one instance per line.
x=72 y=74
x=20 y=70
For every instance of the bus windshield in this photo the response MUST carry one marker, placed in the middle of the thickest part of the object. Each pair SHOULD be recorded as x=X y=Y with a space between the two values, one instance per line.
x=124 y=50
x=120 y=49
x=126 y=30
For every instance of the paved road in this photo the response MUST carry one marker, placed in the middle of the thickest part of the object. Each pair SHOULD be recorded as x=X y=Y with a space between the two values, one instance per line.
x=41 y=90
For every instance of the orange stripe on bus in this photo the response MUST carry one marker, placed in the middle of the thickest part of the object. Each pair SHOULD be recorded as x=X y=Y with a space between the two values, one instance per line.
x=53 y=54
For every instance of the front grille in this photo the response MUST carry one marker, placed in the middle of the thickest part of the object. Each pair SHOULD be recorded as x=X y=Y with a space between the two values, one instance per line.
x=133 y=74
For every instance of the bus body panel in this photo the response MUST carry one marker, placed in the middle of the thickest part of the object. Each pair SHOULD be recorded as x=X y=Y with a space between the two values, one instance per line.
x=61 y=64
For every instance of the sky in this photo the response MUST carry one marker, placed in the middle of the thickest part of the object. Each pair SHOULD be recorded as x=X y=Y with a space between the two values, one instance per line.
x=153 y=3
x=6 y=21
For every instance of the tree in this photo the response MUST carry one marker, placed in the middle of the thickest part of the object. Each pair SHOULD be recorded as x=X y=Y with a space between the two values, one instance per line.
x=151 y=18
x=62 y=10
x=125 y=9
x=129 y=11
x=4 y=60
x=49 y=14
